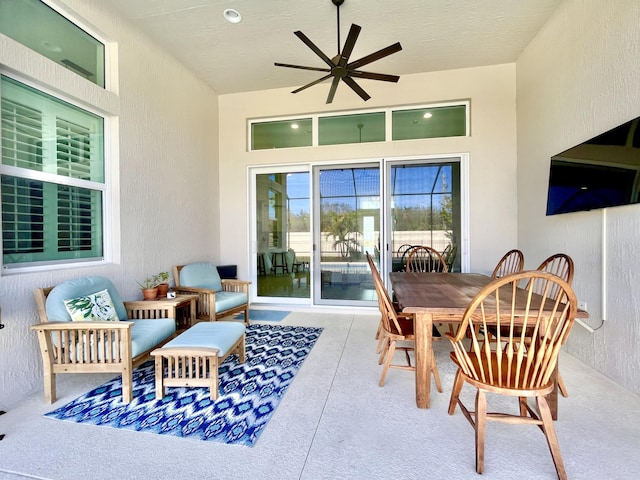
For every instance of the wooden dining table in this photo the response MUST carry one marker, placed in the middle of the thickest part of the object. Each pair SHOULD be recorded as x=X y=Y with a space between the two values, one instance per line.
x=440 y=298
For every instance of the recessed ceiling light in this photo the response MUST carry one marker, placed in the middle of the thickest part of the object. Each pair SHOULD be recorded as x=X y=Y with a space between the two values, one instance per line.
x=232 y=16
x=52 y=47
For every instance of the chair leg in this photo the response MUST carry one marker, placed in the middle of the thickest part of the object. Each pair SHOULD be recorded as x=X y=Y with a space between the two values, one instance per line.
x=384 y=349
x=480 y=428
x=434 y=370
x=49 y=384
x=522 y=401
x=379 y=329
x=380 y=342
x=550 y=434
x=387 y=363
x=561 y=386
x=127 y=387
x=455 y=392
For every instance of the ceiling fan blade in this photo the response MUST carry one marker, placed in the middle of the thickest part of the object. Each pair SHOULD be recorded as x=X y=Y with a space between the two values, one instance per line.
x=302 y=67
x=396 y=47
x=313 y=47
x=315 y=82
x=356 y=88
x=332 y=90
x=374 y=76
x=349 y=44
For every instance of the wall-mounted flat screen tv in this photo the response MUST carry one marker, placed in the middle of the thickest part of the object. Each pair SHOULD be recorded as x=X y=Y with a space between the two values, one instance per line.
x=599 y=173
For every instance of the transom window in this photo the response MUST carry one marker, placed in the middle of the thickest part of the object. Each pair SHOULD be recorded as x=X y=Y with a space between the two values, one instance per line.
x=40 y=28
x=407 y=123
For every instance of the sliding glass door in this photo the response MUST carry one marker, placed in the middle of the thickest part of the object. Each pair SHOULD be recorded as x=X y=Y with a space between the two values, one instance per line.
x=424 y=209
x=313 y=225
x=282 y=235
x=347 y=226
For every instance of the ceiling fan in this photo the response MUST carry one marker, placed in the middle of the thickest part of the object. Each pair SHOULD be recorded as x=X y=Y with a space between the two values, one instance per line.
x=339 y=66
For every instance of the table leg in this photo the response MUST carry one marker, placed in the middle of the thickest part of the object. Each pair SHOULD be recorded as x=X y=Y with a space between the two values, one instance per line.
x=422 y=328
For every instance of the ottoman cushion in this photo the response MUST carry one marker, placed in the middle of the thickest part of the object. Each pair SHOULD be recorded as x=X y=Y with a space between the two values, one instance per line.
x=220 y=335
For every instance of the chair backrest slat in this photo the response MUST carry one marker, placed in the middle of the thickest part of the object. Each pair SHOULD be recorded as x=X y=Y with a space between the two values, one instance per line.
x=530 y=328
x=511 y=262
x=559 y=264
x=425 y=259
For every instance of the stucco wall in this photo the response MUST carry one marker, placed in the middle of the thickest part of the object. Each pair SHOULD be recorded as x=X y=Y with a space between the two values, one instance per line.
x=168 y=177
x=491 y=148
x=577 y=79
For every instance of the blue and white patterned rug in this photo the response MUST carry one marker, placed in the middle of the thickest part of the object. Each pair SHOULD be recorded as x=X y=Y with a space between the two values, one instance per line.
x=256 y=315
x=249 y=393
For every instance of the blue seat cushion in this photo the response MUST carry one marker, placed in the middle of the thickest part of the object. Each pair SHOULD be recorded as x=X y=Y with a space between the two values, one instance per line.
x=228 y=300
x=220 y=335
x=146 y=334
x=201 y=275
x=56 y=309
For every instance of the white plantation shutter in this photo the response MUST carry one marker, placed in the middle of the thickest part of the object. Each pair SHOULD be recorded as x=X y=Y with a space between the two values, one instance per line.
x=52 y=179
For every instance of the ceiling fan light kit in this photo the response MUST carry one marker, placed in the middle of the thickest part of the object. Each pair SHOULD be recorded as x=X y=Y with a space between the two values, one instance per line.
x=339 y=66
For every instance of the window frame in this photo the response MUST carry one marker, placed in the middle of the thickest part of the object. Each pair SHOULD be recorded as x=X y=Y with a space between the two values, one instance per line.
x=103 y=102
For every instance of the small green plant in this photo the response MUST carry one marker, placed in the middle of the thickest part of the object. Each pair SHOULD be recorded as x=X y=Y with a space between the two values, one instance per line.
x=162 y=277
x=149 y=282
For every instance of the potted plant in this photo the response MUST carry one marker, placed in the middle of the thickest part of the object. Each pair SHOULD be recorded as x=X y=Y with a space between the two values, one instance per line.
x=149 y=288
x=162 y=282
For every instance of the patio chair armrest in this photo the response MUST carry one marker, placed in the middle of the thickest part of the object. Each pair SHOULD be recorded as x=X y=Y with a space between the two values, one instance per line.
x=235 y=286
x=52 y=326
x=191 y=290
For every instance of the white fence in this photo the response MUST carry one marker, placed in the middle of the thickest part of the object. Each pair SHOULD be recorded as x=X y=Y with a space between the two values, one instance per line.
x=300 y=242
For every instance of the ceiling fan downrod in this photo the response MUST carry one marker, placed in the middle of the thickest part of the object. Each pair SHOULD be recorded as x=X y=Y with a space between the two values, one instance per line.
x=337 y=3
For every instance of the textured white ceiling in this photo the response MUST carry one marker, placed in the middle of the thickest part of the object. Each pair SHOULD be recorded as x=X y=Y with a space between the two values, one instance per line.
x=435 y=35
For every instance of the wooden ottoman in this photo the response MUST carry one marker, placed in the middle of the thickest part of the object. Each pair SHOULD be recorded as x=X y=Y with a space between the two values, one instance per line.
x=193 y=357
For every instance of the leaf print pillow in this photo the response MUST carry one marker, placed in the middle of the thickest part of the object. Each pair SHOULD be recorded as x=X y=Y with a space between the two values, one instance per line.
x=95 y=307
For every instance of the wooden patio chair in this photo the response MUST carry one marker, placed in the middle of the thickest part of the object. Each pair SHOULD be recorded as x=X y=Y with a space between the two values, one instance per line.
x=559 y=264
x=217 y=298
x=511 y=262
x=69 y=345
x=395 y=327
x=513 y=365
x=426 y=259
x=449 y=255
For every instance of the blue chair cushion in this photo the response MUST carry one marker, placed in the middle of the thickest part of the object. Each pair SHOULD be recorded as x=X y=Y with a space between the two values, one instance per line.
x=201 y=275
x=220 y=335
x=228 y=300
x=148 y=333
x=56 y=309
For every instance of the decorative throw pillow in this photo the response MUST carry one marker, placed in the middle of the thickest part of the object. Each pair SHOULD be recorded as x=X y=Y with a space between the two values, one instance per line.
x=95 y=307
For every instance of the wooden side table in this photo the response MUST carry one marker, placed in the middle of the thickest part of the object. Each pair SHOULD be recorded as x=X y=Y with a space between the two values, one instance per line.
x=174 y=309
